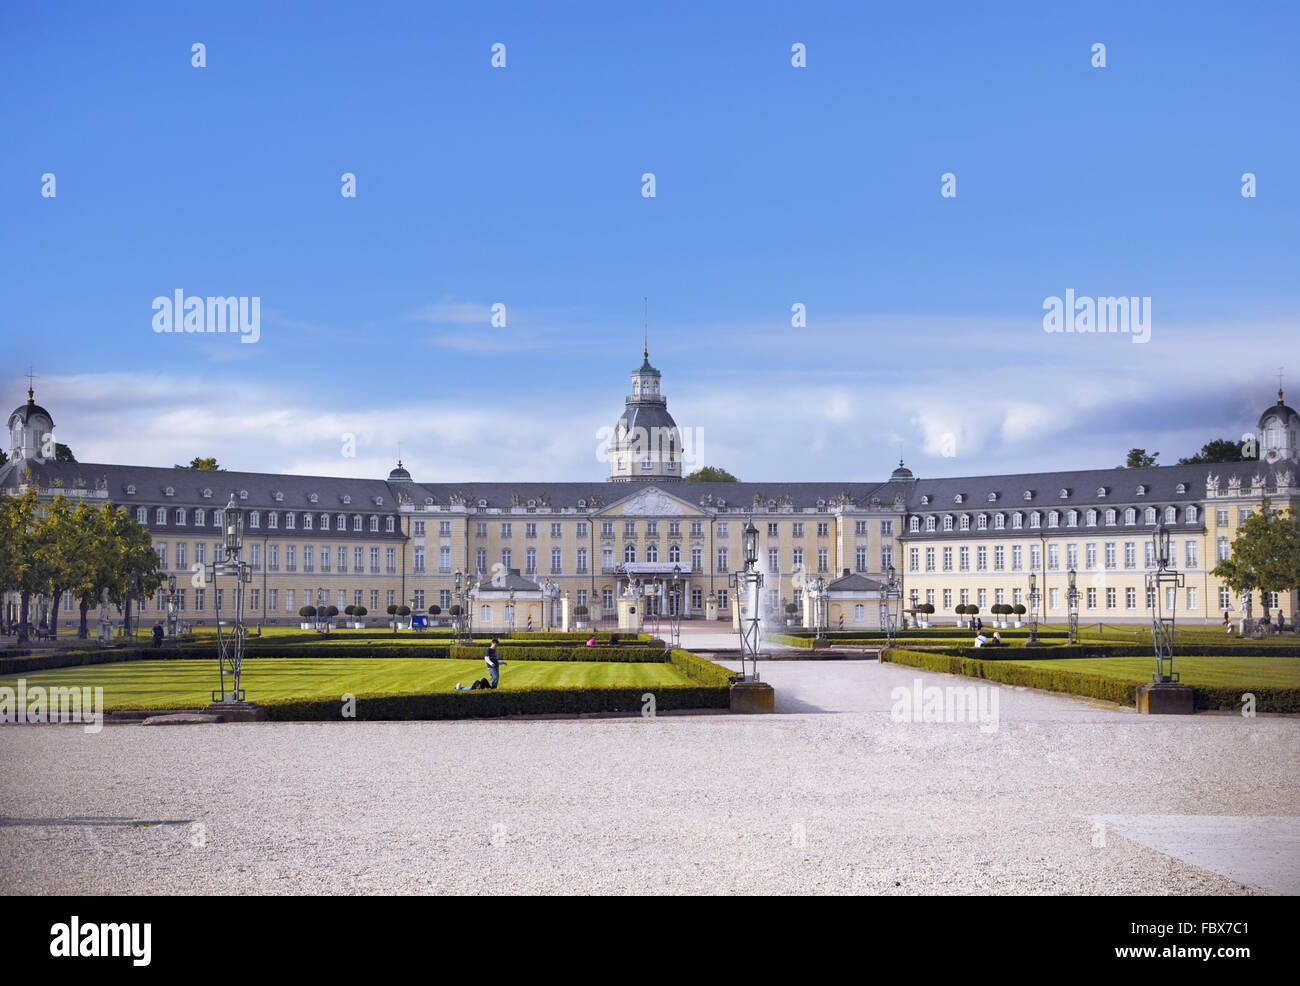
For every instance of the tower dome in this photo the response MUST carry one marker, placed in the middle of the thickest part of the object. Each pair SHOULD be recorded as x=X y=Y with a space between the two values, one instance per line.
x=30 y=427
x=399 y=475
x=1279 y=433
x=646 y=443
x=902 y=474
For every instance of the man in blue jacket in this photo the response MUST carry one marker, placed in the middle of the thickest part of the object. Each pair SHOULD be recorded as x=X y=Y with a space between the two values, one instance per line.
x=493 y=662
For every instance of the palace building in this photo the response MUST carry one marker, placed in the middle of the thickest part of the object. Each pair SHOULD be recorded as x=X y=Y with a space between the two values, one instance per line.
x=973 y=540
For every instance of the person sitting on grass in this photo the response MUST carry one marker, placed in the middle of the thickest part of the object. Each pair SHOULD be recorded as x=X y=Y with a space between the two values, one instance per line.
x=591 y=641
x=996 y=641
x=980 y=639
x=494 y=669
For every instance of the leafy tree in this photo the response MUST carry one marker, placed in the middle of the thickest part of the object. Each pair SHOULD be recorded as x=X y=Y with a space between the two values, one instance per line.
x=205 y=465
x=67 y=546
x=62 y=453
x=18 y=568
x=711 y=474
x=1218 y=450
x=1138 y=459
x=1265 y=554
x=4 y=457
x=435 y=609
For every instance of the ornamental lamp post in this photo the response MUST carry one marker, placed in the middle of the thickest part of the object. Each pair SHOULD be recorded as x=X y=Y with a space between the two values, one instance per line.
x=748 y=581
x=890 y=591
x=322 y=598
x=172 y=606
x=550 y=592
x=510 y=610
x=819 y=606
x=1165 y=582
x=1033 y=610
x=230 y=643
x=675 y=607
x=1072 y=604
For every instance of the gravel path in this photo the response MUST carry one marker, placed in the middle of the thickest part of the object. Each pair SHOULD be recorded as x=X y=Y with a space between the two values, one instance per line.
x=830 y=797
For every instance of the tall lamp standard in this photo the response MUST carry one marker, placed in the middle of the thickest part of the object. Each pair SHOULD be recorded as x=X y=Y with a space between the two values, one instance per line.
x=322 y=608
x=675 y=607
x=652 y=604
x=510 y=611
x=1072 y=604
x=888 y=620
x=231 y=642
x=173 y=606
x=1033 y=610
x=1164 y=578
x=746 y=583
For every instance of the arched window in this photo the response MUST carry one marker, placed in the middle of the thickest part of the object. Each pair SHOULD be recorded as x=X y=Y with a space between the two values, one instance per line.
x=965 y=522
x=947 y=522
x=1149 y=515
x=1191 y=515
x=180 y=517
x=1091 y=518
x=1171 y=515
x=999 y=522
x=652 y=552
x=914 y=524
x=1130 y=516
x=675 y=553
x=1053 y=518
x=1017 y=521
x=929 y=523
x=1035 y=519
x=982 y=522
x=1110 y=517
x=629 y=554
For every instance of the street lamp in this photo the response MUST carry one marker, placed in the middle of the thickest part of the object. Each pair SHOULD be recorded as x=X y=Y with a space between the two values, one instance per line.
x=889 y=592
x=675 y=607
x=173 y=605
x=463 y=591
x=510 y=610
x=231 y=643
x=819 y=606
x=748 y=581
x=322 y=607
x=1072 y=605
x=1033 y=610
x=550 y=593
x=1164 y=579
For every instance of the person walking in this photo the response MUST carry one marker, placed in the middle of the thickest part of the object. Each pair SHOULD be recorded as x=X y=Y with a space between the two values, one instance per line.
x=157 y=634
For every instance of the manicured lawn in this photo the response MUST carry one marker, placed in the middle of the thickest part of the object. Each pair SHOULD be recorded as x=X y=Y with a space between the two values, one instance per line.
x=182 y=684
x=1208 y=672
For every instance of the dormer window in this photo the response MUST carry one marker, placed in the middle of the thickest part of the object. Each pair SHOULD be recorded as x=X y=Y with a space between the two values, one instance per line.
x=1101 y=491
x=914 y=524
x=277 y=496
x=1181 y=488
x=482 y=504
x=1064 y=494
x=1072 y=518
x=965 y=522
x=243 y=494
x=341 y=522
x=771 y=504
x=947 y=522
x=1191 y=515
x=982 y=522
x=1149 y=515
x=1130 y=516
x=1141 y=491
x=958 y=498
x=170 y=491
x=999 y=522
x=532 y=504
x=389 y=526
x=306 y=521
x=1110 y=517
x=1035 y=519
x=929 y=523
x=374 y=524
x=379 y=501
x=1053 y=518
x=273 y=521
x=356 y=522
x=180 y=516
x=721 y=502
x=324 y=522
x=207 y=494
x=925 y=501
x=1092 y=518
x=130 y=489
x=1017 y=521
x=313 y=498
x=582 y=504
x=1171 y=515
x=254 y=518
x=428 y=501
x=346 y=499
x=993 y=498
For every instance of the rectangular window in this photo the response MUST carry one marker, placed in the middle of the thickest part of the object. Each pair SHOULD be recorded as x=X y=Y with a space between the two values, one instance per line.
x=342 y=557
x=963 y=559
x=1053 y=598
x=796 y=529
x=947 y=599
x=358 y=560
x=981 y=559
x=697 y=560
x=291 y=558
x=444 y=528
x=419 y=562
x=913 y=559
x=607 y=599
x=555 y=530
x=999 y=558
x=1092 y=598
x=947 y=559
x=1110 y=597
x=273 y=558
x=860 y=528
x=1130 y=554
x=582 y=561
x=929 y=559
x=1191 y=554
x=1053 y=556
x=1221 y=517
x=1191 y=597
x=1017 y=557
x=308 y=558
x=325 y=556
x=374 y=561
x=288 y=601
x=417 y=528
x=823 y=559
x=444 y=559
x=1035 y=557
x=273 y=601
x=507 y=558
x=390 y=561
x=774 y=560
x=1090 y=556
x=629 y=528
x=530 y=530
x=1110 y=557
x=444 y=598
x=556 y=561
x=722 y=560
x=1130 y=598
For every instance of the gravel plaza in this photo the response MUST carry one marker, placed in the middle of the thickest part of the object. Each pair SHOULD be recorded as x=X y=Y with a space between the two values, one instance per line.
x=828 y=796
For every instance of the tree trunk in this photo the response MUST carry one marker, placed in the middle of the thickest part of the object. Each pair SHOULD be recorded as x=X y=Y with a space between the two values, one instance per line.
x=81 y=630
x=56 y=596
x=126 y=623
x=22 y=618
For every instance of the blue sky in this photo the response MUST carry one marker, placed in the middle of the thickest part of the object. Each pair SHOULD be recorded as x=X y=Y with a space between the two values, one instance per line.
x=775 y=185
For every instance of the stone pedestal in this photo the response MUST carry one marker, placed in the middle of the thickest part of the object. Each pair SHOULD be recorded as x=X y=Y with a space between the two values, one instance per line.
x=752 y=696
x=630 y=617
x=1165 y=698
x=711 y=609
x=236 y=712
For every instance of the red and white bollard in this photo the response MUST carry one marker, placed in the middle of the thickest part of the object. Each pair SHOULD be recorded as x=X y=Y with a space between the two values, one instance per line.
x=530 y=622
x=841 y=621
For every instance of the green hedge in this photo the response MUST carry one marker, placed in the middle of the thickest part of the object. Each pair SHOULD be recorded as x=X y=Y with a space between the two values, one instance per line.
x=1072 y=652
x=713 y=691
x=489 y=703
x=937 y=632
x=208 y=652
x=1089 y=685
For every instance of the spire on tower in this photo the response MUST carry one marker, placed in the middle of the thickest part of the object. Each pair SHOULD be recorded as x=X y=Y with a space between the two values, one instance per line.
x=645 y=315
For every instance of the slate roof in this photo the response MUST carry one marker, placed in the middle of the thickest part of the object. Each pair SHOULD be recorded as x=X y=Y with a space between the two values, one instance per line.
x=853 y=582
